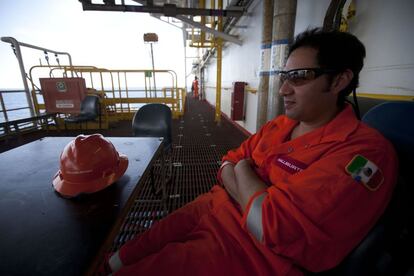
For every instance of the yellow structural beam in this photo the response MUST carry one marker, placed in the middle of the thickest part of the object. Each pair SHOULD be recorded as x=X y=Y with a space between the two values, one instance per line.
x=219 y=50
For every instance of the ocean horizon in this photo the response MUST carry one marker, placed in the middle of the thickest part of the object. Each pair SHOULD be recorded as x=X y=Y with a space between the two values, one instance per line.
x=12 y=101
x=17 y=99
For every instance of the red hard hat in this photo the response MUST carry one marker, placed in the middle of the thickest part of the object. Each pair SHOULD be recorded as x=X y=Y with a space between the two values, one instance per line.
x=88 y=164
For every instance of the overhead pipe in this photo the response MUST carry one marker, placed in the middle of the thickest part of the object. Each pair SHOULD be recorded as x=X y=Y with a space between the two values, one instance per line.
x=17 y=44
x=283 y=30
x=263 y=90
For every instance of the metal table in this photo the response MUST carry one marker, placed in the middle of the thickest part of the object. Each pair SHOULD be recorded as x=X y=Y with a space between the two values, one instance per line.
x=42 y=233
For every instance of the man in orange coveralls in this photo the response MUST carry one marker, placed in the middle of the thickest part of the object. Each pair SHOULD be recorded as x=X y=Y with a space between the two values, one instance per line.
x=298 y=195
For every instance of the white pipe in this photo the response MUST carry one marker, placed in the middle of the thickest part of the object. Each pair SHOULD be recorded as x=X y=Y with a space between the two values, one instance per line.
x=16 y=46
x=13 y=41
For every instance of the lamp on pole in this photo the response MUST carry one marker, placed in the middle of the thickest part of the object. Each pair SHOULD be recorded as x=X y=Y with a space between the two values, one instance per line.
x=152 y=38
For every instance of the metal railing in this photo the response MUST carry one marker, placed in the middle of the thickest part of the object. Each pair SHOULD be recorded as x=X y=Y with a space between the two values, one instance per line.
x=5 y=111
x=122 y=92
x=15 y=109
x=17 y=51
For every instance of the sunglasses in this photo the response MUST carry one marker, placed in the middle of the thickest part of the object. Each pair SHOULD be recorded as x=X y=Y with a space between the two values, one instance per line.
x=301 y=76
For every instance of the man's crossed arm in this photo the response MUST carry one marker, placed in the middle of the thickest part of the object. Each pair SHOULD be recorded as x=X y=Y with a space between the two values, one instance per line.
x=241 y=181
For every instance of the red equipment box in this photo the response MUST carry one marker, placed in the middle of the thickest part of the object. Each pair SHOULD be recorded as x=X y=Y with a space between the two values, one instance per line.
x=63 y=95
x=237 y=101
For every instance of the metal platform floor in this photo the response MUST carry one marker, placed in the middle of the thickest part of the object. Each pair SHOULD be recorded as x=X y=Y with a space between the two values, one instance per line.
x=198 y=146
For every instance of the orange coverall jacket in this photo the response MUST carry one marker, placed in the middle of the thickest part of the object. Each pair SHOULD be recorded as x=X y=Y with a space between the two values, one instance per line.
x=315 y=210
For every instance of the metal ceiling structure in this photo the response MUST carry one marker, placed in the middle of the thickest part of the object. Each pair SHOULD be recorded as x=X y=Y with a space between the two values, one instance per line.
x=185 y=11
x=168 y=8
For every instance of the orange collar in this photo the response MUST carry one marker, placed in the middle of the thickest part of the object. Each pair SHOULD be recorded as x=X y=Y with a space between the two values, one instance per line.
x=338 y=129
x=341 y=126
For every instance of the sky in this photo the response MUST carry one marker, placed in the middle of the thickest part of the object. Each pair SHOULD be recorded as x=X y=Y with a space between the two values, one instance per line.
x=112 y=40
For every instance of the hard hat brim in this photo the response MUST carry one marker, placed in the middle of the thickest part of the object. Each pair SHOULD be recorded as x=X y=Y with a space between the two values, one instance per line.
x=72 y=189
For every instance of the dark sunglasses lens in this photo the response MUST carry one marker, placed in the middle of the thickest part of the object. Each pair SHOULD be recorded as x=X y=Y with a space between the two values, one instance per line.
x=282 y=77
x=301 y=77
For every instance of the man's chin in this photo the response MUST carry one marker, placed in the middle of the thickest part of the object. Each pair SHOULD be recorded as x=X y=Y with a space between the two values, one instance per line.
x=291 y=115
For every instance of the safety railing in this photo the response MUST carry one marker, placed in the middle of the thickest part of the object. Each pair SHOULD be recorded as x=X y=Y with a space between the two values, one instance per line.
x=122 y=92
x=15 y=115
x=13 y=105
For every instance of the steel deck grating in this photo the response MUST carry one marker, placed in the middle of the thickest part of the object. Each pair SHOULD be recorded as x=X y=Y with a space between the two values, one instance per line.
x=198 y=146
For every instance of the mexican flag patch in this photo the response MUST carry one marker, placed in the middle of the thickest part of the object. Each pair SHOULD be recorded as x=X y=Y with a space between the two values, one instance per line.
x=366 y=172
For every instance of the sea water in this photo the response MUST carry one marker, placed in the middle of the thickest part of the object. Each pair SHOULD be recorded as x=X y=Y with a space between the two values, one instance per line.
x=15 y=100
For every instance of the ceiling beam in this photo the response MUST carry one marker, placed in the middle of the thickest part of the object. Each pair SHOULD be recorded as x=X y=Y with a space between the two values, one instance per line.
x=166 y=9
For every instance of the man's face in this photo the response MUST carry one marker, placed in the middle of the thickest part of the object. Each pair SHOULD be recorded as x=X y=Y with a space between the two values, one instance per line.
x=312 y=100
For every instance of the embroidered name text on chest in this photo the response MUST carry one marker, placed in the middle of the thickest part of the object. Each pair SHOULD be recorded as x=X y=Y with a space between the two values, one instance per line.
x=289 y=164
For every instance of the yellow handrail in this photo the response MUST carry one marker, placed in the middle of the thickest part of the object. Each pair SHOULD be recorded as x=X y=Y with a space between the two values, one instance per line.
x=119 y=101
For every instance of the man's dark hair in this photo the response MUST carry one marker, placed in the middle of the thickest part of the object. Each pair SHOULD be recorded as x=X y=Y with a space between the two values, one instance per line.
x=336 y=50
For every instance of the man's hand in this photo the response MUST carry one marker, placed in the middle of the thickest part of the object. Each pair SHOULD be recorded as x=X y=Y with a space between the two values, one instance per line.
x=244 y=164
x=241 y=181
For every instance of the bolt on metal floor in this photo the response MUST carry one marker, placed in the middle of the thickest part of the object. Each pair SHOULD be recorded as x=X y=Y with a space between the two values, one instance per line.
x=198 y=146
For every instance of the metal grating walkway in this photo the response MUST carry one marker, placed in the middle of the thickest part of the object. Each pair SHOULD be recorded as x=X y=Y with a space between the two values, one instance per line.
x=198 y=146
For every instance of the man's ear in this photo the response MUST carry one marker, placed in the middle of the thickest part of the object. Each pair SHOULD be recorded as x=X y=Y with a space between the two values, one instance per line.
x=341 y=81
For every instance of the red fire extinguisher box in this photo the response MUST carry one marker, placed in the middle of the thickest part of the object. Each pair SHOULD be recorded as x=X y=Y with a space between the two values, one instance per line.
x=237 y=101
x=63 y=95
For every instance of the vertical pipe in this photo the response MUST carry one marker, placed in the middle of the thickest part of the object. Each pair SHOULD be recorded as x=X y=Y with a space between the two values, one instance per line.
x=332 y=19
x=202 y=5
x=3 y=108
x=23 y=74
x=201 y=87
x=219 y=42
x=126 y=93
x=153 y=71
x=90 y=75
x=185 y=65
x=283 y=29
x=146 y=86
x=266 y=46
x=119 y=90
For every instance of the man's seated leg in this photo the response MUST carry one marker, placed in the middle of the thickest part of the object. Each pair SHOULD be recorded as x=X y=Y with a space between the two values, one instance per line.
x=200 y=253
x=170 y=229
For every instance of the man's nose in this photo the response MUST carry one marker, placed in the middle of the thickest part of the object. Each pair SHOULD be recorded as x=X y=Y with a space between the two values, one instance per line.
x=285 y=88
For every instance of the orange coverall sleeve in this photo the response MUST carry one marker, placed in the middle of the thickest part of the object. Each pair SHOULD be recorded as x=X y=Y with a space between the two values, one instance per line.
x=317 y=216
x=246 y=148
